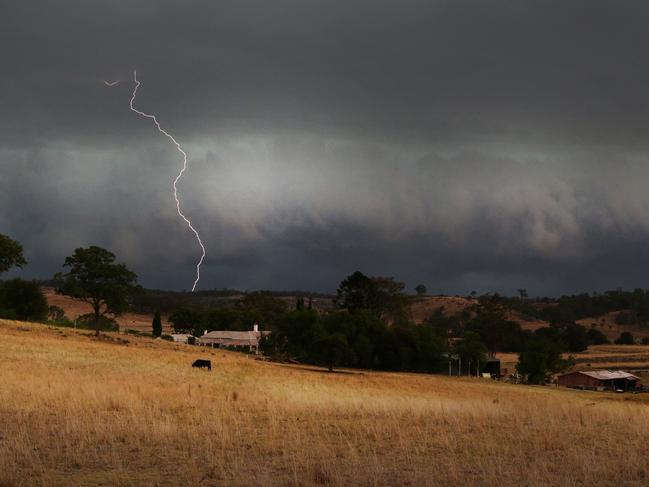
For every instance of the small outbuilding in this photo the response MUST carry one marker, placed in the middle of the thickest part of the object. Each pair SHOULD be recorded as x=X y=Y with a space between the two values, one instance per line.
x=183 y=338
x=600 y=380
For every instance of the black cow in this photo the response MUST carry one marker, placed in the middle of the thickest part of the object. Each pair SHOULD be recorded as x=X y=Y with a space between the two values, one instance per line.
x=202 y=364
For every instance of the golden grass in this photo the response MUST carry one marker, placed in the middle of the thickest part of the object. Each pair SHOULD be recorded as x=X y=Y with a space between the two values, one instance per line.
x=77 y=411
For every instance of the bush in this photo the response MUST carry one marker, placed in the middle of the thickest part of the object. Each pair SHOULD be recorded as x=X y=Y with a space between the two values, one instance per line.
x=625 y=338
x=22 y=300
x=89 y=321
x=596 y=337
x=55 y=313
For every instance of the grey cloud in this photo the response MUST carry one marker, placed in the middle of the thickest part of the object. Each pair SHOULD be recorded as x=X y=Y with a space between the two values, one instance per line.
x=461 y=144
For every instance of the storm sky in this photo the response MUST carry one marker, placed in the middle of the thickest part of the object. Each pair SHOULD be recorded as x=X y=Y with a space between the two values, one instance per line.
x=465 y=145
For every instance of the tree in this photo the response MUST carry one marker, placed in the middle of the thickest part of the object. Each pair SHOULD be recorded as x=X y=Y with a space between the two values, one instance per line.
x=11 y=254
x=420 y=289
x=156 y=324
x=391 y=302
x=96 y=279
x=471 y=350
x=261 y=307
x=596 y=337
x=357 y=291
x=575 y=336
x=186 y=320
x=22 y=300
x=522 y=293
x=625 y=338
x=293 y=335
x=540 y=358
x=381 y=295
x=496 y=331
x=331 y=349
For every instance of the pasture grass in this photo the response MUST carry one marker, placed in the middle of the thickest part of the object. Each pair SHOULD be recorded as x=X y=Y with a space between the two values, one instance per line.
x=79 y=411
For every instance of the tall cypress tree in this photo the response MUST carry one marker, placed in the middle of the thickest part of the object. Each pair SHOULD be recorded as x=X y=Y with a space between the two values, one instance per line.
x=157 y=324
x=299 y=303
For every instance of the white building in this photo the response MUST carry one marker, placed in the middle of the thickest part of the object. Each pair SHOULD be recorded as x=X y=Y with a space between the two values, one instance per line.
x=181 y=337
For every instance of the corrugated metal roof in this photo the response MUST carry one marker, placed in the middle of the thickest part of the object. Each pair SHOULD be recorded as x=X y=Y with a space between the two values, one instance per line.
x=607 y=374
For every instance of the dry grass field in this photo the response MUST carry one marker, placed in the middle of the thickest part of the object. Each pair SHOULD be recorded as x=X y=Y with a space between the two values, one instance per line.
x=76 y=411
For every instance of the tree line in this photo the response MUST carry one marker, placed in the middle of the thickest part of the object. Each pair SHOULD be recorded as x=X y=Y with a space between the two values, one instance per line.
x=91 y=275
x=370 y=326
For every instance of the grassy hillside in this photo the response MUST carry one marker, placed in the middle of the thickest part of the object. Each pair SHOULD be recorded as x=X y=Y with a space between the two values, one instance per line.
x=79 y=411
x=74 y=307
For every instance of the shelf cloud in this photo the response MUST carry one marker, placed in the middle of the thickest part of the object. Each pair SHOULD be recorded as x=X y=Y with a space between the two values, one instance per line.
x=463 y=145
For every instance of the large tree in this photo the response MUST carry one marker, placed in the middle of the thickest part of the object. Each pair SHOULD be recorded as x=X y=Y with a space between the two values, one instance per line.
x=95 y=278
x=540 y=358
x=472 y=352
x=331 y=350
x=11 y=254
x=381 y=295
x=357 y=291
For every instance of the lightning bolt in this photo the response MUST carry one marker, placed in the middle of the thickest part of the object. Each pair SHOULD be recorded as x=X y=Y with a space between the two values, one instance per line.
x=180 y=174
x=111 y=83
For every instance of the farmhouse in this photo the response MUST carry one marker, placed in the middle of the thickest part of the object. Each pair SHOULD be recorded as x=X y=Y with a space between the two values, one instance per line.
x=233 y=339
x=600 y=380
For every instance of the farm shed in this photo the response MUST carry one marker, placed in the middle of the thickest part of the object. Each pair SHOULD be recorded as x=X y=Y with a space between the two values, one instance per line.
x=599 y=380
x=183 y=338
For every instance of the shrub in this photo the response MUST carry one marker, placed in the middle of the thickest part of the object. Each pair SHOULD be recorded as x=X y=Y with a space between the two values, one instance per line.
x=91 y=322
x=55 y=313
x=625 y=338
x=22 y=300
x=596 y=337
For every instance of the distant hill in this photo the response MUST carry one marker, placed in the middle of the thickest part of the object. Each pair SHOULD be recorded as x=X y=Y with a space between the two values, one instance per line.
x=423 y=307
x=609 y=323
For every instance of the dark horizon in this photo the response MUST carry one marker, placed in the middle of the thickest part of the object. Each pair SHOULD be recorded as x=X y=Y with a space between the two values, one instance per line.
x=462 y=145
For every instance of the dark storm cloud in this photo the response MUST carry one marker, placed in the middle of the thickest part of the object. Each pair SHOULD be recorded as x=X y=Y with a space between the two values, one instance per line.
x=467 y=145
